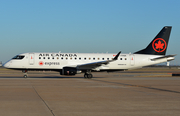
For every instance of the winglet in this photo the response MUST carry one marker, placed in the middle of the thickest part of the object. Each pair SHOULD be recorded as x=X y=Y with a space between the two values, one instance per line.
x=116 y=57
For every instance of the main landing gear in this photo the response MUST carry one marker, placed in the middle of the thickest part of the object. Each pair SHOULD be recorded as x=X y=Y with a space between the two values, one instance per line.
x=25 y=73
x=88 y=75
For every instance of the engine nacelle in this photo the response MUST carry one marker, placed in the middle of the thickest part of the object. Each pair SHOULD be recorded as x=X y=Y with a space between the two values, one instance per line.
x=69 y=71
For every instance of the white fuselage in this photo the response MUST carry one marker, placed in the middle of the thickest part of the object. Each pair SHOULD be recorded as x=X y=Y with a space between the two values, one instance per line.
x=56 y=61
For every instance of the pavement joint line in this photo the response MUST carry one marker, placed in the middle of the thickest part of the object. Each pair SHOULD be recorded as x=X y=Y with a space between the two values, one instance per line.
x=147 y=87
x=44 y=102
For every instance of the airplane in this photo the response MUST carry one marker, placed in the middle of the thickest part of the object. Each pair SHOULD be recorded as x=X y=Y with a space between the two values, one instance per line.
x=75 y=63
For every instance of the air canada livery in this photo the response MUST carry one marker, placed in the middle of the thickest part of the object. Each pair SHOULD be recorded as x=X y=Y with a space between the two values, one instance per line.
x=76 y=63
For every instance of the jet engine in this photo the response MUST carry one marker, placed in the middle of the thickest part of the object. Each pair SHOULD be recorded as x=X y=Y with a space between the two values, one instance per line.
x=69 y=71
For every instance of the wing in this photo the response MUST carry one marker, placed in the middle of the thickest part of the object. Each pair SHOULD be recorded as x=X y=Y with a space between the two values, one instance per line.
x=93 y=65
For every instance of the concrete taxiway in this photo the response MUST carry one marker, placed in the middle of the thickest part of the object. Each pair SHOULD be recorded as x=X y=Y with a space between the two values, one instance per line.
x=143 y=92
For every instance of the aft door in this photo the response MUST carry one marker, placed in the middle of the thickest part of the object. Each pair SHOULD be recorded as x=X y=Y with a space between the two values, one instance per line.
x=132 y=59
x=31 y=58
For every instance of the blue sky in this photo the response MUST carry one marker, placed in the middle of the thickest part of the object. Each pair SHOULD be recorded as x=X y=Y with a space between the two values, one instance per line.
x=92 y=26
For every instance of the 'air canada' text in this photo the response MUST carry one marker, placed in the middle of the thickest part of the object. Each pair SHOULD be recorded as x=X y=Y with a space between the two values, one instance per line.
x=57 y=55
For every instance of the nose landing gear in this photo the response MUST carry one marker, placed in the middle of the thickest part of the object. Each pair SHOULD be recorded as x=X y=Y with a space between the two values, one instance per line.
x=25 y=73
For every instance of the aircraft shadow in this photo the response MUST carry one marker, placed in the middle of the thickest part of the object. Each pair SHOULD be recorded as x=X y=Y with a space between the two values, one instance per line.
x=50 y=77
x=64 y=77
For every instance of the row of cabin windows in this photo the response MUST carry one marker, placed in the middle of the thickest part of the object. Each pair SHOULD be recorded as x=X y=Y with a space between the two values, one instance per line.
x=80 y=58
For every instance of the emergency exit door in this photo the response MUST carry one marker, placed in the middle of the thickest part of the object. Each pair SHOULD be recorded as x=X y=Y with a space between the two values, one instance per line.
x=31 y=58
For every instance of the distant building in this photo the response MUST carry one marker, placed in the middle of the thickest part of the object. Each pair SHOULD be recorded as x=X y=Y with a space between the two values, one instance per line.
x=0 y=63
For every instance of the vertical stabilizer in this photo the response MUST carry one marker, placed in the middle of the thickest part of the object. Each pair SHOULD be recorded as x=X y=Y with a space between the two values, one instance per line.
x=158 y=45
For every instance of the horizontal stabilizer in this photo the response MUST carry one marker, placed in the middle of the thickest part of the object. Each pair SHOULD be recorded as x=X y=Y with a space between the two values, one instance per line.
x=171 y=57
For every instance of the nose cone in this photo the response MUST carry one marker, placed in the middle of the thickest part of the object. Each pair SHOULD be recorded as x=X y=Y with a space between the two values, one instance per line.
x=6 y=65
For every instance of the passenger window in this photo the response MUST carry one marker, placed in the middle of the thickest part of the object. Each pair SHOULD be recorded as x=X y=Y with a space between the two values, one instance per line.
x=84 y=58
x=120 y=58
x=52 y=57
x=44 y=57
x=89 y=58
x=57 y=57
x=93 y=58
x=102 y=58
x=107 y=58
x=48 y=57
x=125 y=58
x=66 y=58
x=62 y=58
x=39 y=57
x=79 y=58
x=75 y=58
x=98 y=58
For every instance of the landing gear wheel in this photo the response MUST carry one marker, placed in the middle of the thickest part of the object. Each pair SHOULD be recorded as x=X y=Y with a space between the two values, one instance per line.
x=88 y=76
x=25 y=76
x=85 y=76
x=25 y=73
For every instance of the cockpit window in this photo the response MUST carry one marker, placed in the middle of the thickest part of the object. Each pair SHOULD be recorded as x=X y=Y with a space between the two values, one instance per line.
x=18 y=57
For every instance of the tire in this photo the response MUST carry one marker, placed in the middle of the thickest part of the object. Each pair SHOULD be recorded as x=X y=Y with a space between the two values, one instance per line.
x=25 y=76
x=85 y=76
x=90 y=76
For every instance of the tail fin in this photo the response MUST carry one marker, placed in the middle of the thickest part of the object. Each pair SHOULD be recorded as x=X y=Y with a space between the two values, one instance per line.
x=159 y=44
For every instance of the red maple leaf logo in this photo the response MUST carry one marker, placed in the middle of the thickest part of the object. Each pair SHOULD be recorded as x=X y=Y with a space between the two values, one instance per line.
x=159 y=45
x=41 y=63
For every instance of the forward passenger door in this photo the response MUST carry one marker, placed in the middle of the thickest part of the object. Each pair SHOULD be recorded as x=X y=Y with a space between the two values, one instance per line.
x=31 y=58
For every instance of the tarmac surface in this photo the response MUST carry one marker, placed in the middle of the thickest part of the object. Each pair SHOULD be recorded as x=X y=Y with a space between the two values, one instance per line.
x=143 y=92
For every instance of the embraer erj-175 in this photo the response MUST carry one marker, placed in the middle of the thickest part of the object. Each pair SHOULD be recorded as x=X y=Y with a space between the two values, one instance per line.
x=75 y=63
